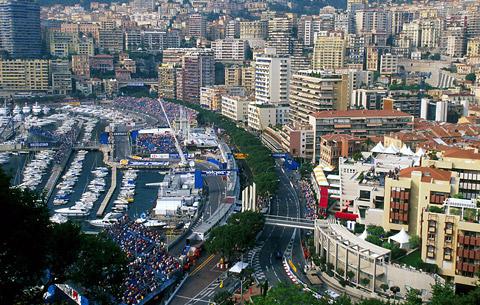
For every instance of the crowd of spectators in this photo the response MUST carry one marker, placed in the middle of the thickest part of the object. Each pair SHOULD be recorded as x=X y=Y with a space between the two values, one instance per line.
x=155 y=144
x=311 y=203
x=150 y=264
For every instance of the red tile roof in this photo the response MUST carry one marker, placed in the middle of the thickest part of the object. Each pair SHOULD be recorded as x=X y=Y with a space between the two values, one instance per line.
x=461 y=154
x=428 y=173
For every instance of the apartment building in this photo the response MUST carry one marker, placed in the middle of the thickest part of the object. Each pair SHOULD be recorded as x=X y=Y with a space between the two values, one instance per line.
x=388 y=64
x=233 y=75
x=451 y=240
x=24 y=76
x=329 y=51
x=81 y=65
x=261 y=116
x=360 y=123
x=61 y=77
x=63 y=44
x=196 y=25
x=248 y=78
x=312 y=91
x=198 y=70
x=370 y=99
x=102 y=62
x=20 y=33
x=236 y=107
x=464 y=162
x=111 y=40
x=473 y=47
x=253 y=29
x=411 y=191
x=230 y=50
x=167 y=81
x=272 y=75
x=211 y=97
x=298 y=140
x=362 y=182
x=334 y=146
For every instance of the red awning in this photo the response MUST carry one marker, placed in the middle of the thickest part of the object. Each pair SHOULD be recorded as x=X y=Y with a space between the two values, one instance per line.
x=323 y=202
x=346 y=216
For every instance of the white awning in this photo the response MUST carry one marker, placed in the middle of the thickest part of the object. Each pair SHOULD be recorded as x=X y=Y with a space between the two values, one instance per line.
x=401 y=237
x=378 y=148
x=391 y=150
x=238 y=267
x=420 y=152
x=363 y=235
x=406 y=151
x=320 y=176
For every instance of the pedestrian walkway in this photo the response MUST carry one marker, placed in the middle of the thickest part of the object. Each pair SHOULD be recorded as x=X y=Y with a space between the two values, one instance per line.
x=113 y=186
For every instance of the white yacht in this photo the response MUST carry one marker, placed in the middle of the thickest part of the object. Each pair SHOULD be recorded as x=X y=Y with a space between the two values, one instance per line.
x=109 y=219
x=58 y=218
x=36 y=109
x=17 y=110
x=75 y=210
x=150 y=223
x=4 y=110
x=26 y=109
x=45 y=110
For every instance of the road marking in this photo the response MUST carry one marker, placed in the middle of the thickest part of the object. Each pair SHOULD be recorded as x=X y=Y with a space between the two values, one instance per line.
x=199 y=267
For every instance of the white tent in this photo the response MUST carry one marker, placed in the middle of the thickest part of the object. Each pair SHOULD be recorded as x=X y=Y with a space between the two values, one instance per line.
x=238 y=267
x=420 y=152
x=363 y=235
x=406 y=151
x=402 y=238
x=391 y=150
x=378 y=148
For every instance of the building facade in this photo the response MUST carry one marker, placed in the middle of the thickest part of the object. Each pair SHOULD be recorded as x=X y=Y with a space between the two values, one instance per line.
x=20 y=28
x=313 y=91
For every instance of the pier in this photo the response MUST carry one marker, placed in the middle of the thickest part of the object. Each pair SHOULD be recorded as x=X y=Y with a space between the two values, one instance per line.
x=112 y=188
x=57 y=170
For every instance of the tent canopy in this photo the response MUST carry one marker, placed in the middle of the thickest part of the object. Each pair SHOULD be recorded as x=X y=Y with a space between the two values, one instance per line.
x=378 y=148
x=363 y=235
x=406 y=151
x=238 y=267
x=320 y=176
x=401 y=237
x=391 y=150
x=420 y=152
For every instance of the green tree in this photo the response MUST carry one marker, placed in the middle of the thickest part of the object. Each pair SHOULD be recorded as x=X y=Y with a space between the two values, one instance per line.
x=24 y=252
x=236 y=236
x=414 y=241
x=284 y=294
x=100 y=267
x=374 y=240
x=471 y=77
x=413 y=297
x=357 y=156
x=33 y=247
x=442 y=294
x=63 y=250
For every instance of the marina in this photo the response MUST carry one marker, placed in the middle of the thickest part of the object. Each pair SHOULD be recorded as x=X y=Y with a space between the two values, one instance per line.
x=126 y=167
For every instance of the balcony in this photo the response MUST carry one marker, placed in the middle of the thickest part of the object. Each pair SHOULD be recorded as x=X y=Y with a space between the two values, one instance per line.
x=432 y=229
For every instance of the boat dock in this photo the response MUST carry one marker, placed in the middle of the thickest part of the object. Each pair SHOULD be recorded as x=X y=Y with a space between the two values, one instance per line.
x=112 y=188
x=57 y=170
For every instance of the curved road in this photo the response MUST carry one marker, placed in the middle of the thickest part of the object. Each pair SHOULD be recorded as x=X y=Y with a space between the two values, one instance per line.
x=275 y=238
